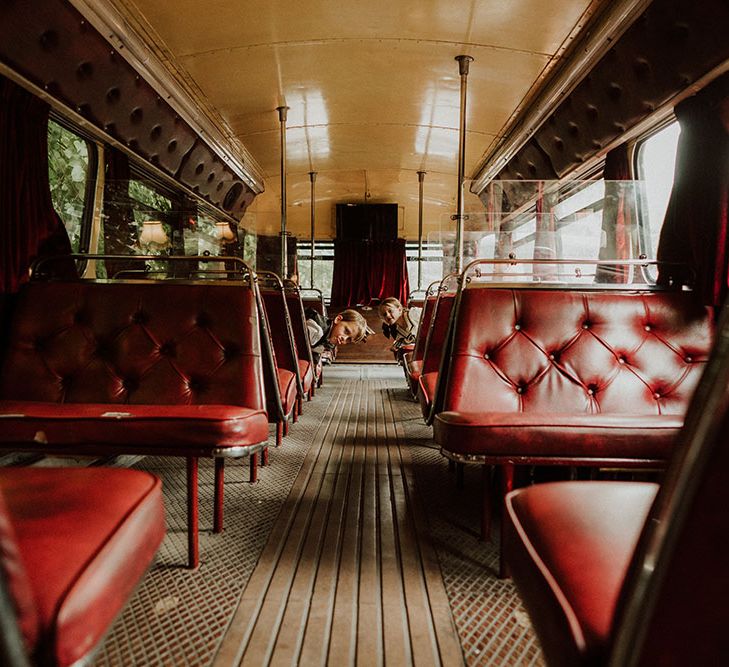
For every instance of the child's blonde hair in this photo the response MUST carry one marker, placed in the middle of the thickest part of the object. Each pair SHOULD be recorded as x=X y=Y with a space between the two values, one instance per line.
x=389 y=301
x=359 y=322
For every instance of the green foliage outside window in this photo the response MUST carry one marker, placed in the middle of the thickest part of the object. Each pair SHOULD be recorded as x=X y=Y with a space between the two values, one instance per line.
x=68 y=170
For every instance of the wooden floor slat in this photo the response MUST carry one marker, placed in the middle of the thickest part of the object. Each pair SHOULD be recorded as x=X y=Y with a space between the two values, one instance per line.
x=348 y=575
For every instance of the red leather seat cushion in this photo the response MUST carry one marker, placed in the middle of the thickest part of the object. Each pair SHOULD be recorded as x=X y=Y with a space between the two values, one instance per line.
x=86 y=537
x=414 y=369
x=307 y=376
x=569 y=545
x=557 y=435
x=181 y=429
x=287 y=388
x=426 y=390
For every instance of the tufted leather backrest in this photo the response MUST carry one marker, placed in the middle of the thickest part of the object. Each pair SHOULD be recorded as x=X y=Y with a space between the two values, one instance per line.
x=298 y=325
x=437 y=333
x=135 y=343
x=274 y=406
x=281 y=333
x=675 y=599
x=576 y=351
x=423 y=328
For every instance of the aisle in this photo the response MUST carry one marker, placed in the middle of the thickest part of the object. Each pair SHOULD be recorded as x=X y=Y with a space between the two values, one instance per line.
x=348 y=574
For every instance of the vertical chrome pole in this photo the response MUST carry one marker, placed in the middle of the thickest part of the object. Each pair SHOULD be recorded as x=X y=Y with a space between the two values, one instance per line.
x=312 y=178
x=463 y=63
x=284 y=254
x=421 y=178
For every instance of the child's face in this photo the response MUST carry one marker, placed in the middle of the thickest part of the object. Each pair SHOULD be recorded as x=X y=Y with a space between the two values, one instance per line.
x=390 y=314
x=342 y=332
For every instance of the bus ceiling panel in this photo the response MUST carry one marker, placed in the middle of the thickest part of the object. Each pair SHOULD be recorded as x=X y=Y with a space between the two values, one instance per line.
x=672 y=46
x=192 y=27
x=52 y=46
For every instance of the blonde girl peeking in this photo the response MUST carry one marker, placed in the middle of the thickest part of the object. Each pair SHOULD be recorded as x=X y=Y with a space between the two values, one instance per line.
x=398 y=323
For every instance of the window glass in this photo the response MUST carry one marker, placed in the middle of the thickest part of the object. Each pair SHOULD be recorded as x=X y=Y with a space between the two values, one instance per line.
x=432 y=264
x=579 y=221
x=68 y=172
x=323 y=265
x=151 y=211
x=655 y=163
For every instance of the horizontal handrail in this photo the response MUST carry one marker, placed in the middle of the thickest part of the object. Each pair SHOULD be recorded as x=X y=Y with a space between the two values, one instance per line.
x=472 y=267
x=239 y=266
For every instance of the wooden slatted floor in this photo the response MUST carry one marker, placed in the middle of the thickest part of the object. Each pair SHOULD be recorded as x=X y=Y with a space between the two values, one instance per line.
x=348 y=575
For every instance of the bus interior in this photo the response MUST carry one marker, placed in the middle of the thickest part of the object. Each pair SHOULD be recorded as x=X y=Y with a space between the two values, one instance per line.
x=532 y=474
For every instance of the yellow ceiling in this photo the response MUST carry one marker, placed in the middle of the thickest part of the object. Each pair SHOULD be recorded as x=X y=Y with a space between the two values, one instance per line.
x=372 y=88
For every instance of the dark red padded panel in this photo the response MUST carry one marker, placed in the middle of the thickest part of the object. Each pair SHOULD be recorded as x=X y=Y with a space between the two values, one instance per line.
x=560 y=351
x=162 y=429
x=671 y=46
x=54 y=46
x=210 y=177
x=51 y=44
x=547 y=435
x=86 y=537
x=569 y=545
x=133 y=343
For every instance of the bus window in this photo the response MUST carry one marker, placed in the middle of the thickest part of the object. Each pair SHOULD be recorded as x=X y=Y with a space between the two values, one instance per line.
x=655 y=162
x=68 y=173
x=151 y=211
x=431 y=267
x=323 y=265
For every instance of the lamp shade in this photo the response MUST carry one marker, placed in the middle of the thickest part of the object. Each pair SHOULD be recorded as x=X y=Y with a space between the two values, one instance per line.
x=153 y=234
x=224 y=232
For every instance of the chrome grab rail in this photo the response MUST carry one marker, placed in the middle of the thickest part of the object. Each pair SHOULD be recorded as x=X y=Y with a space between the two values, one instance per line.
x=234 y=265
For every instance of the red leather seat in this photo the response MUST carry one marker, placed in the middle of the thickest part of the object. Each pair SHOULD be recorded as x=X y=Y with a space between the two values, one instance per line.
x=567 y=377
x=427 y=383
x=75 y=543
x=280 y=374
x=571 y=544
x=622 y=573
x=413 y=361
x=433 y=352
x=543 y=437
x=128 y=429
x=128 y=367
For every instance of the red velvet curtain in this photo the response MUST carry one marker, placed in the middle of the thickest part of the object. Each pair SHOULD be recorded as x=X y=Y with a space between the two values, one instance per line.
x=696 y=227
x=29 y=227
x=365 y=271
x=617 y=216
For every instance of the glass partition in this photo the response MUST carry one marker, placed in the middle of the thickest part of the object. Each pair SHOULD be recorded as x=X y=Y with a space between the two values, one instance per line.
x=551 y=231
x=143 y=217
